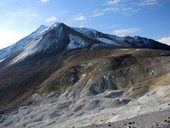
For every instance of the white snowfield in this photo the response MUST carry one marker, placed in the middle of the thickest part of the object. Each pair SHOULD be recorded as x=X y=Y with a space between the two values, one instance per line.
x=59 y=112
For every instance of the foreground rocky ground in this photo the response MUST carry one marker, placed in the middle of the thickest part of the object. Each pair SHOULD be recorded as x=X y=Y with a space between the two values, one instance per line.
x=159 y=119
x=56 y=112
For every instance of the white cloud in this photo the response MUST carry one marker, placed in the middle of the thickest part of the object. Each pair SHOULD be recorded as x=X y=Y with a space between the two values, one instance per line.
x=124 y=7
x=45 y=1
x=113 y=2
x=165 y=40
x=125 y=32
x=148 y=2
x=127 y=7
x=97 y=14
x=79 y=18
x=51 y=19
x=8 y=37
x=81 y=26
x=129 y=11
x=111 y=9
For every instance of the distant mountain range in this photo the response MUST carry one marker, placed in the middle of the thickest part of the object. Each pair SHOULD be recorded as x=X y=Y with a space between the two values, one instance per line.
x=60 y=37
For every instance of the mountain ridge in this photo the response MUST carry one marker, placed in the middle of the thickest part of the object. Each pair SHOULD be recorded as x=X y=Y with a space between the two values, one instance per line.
x=70 y=38
x=60 y=37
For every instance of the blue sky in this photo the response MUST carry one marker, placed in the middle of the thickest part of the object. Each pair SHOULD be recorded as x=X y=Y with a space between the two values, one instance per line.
x=148 y=18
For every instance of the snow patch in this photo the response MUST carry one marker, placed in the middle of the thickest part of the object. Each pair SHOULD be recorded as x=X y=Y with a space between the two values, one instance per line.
x=75 y=42
x=2 y=60
x=107 y=41
x=29 y=50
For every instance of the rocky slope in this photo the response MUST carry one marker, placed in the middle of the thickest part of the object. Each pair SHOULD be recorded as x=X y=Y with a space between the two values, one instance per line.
x=103 y=85
x=69 y=77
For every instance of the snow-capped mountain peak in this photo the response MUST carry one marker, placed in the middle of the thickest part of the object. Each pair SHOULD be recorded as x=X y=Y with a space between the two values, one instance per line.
x=41 y=29
x=60 y=37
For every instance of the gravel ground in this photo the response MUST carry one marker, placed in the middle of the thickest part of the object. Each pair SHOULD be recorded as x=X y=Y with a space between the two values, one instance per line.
x=152 y=120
